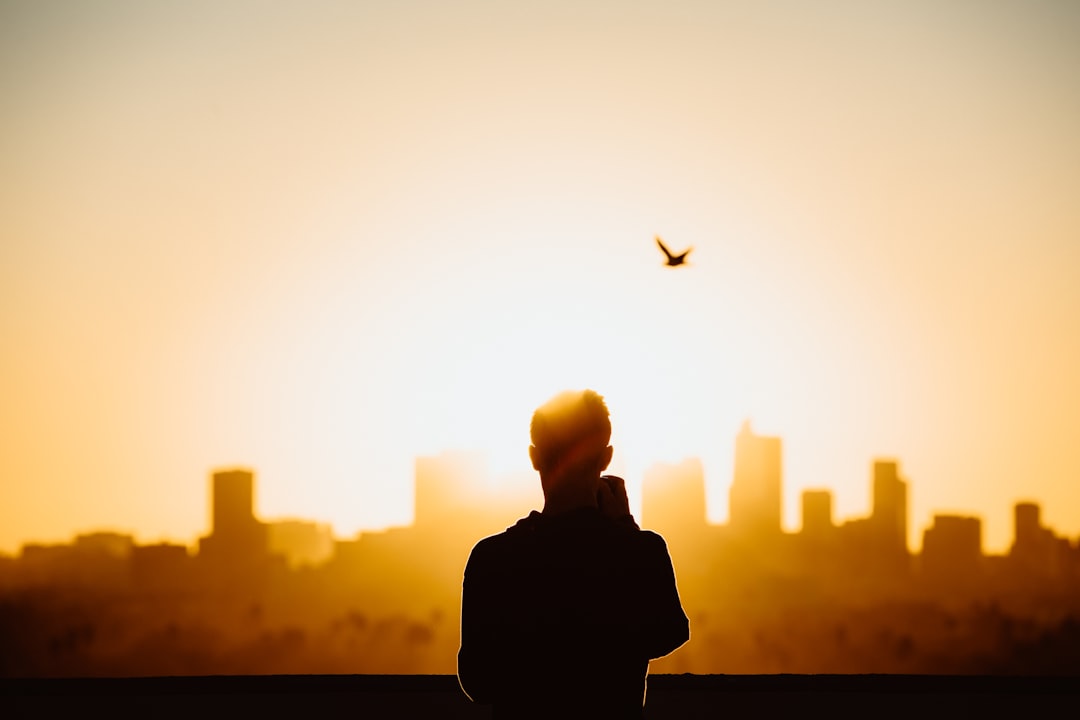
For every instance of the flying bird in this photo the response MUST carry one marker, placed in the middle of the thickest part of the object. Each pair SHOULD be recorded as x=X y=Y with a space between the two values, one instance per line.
x=672 y=259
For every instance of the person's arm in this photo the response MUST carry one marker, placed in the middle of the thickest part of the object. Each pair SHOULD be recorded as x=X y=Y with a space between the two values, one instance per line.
x=475 y=657
x=665 y=625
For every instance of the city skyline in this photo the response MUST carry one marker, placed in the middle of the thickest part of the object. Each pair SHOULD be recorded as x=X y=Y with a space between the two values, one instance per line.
x=261 y=596
x=761 y=506
x=324 y=239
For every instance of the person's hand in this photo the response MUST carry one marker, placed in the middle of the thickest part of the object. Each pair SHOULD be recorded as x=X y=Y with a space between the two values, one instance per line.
x=611 y=497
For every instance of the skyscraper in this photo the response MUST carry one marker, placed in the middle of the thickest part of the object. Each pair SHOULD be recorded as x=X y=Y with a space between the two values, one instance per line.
x=1036 y=551
x=1027 y=527
x=233 y=501
x=817 y=519
x=889 y=518
x=237 y=540
x=952 y=551
x=755 y=499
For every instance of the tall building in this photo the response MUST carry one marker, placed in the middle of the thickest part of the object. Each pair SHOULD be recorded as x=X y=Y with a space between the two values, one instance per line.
x=890 y=514
x=236 y=538
x=1036 y=551
x=952 y=550
x=817 y=520
x=233 y=501
x=755 y=501
x=1027 y=526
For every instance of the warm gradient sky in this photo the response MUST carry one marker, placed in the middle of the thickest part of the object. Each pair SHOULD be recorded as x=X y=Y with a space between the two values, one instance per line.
x=320 y=238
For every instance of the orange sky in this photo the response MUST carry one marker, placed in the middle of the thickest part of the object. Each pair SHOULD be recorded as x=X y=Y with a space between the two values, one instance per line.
x=322 y=238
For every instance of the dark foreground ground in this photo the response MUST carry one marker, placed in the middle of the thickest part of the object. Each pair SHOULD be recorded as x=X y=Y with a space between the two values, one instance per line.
x=438 y=696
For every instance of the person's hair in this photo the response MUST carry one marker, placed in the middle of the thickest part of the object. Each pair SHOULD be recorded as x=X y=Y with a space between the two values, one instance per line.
x=574 y=425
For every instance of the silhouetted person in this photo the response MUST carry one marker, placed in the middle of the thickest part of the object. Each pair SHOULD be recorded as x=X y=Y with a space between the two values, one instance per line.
x=561 y=613
x=673 y=260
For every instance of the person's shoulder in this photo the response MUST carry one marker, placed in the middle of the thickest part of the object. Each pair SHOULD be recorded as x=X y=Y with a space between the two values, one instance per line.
x=652 y=541
x=525 y=524
x=651 y=537
x=494 y=544
x=489 y=545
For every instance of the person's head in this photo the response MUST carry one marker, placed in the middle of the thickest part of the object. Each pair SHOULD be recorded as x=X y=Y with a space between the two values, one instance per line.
x=570 y=434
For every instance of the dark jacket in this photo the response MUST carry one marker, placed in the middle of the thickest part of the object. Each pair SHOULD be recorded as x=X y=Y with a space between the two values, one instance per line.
x=561 y=614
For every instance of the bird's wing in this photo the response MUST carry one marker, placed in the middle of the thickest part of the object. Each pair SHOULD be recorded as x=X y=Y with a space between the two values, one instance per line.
x=663 y=247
